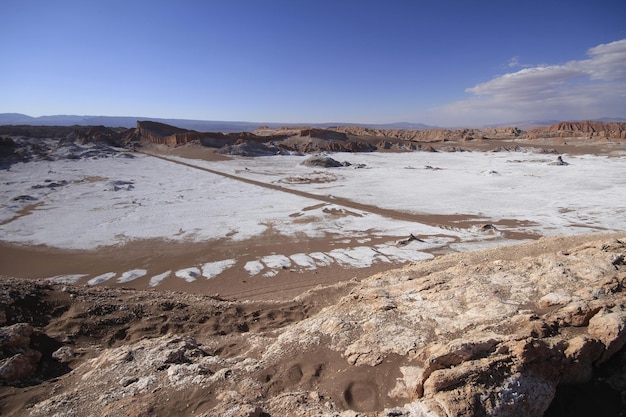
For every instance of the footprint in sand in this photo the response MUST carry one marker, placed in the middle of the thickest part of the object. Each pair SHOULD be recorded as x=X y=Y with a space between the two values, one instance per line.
x=361 y=396
x=280 y=381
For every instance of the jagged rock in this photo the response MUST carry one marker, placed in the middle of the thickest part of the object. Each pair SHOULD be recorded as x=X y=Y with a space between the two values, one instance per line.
x=17 y=361
x=581 y=354
x=16 y=336
x=511 y=360
x=612 y=130
x=20 y=366
x=559 y=162
x=609 y=327
x=64 y=354
x=118 y=185
x=101 y=134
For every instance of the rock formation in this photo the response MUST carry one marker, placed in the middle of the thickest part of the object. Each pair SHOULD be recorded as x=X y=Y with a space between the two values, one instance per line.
x=249 y=148
x=161 y=133
x=101 y=134
x=322 y=162
x=496 y=332
x=434 y=135
x=289 y=140
x=588 y=129
x=164 y=134
x=17 y=360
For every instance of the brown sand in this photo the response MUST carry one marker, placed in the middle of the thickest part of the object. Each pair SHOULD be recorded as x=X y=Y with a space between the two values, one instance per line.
x=96 y=318
x=158 y=256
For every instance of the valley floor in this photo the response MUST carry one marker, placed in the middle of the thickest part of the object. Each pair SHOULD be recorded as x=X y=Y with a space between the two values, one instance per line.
x=271 y=227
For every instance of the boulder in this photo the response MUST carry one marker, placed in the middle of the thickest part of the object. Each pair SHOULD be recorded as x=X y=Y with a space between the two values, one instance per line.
x=322 y=162
x=16 y=336
x=18 y=361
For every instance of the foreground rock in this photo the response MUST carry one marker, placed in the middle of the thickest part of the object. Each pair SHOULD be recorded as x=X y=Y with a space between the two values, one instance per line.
x=495 y=333
x=18 y=361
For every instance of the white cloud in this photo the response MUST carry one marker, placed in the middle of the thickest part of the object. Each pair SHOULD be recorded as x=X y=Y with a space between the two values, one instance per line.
x=527 y=83
x=608 y=61
x=580 y=89
x=513 y=62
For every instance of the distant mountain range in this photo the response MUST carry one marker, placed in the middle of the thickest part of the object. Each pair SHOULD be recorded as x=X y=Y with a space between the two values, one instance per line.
x=123 y=121
x=199 y=125
x=230 y=126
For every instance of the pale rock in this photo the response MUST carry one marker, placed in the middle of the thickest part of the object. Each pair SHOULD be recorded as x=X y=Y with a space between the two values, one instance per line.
x=519 y=394
x=576 y=313
x=581 y=353
x=64 y=354
x=15 y=336
x=554 y=298
x=609 y=328
x=18 y=361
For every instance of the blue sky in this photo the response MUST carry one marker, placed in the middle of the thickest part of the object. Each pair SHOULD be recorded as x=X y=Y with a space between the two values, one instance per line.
x=446 y=63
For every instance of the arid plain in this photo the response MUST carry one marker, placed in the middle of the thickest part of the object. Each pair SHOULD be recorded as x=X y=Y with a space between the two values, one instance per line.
x=225 y=248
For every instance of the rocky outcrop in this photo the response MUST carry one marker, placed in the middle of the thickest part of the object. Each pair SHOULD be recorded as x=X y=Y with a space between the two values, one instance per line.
x=582 y=129
x=482 y=339
x=164 y=134
x=103 y=135
x=161 y=133
x=8 y=154
x=315 y=146
x=18 y=362
x=496 y=333
x=434 y=135
x=324 y=134
x=314 y=140
x=31 y=149
x=322 y=162
x=249 y=148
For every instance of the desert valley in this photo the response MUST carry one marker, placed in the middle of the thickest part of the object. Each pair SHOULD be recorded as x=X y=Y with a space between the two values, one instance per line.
x=336 y=271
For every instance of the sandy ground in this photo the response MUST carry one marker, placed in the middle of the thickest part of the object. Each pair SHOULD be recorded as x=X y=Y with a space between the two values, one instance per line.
x=157 y=255
x=95 y=318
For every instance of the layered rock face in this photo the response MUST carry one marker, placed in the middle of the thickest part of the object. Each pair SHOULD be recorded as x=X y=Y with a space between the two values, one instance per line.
x=581 y=129
x=161 y=133
x=434 y=135
x=164 y=134
x=362 y=139
x=491 y=333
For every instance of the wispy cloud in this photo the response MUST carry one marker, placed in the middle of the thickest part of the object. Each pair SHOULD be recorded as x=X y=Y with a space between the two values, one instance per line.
x=513 y=62
x=580 y=89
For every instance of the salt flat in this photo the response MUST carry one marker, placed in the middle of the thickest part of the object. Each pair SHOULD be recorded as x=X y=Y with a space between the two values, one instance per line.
x=348 y=218
x=583 y=196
